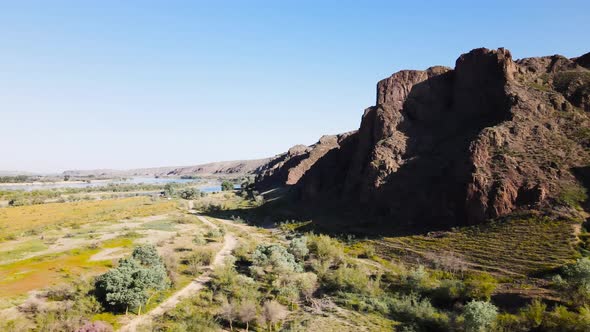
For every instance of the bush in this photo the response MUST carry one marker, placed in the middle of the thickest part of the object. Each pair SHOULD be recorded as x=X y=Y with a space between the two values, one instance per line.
x=199 y=240
x=479 y=316
x=198 y=259
x=227 y=186
x=350 y=279
x=273 y=259
x=298 y=248
x=273 y=313
x=534 y=313
x=416 y=278
x=577 y=281
x=480 y=286
x=326 y=249
x=419 y=312
x=189 y=193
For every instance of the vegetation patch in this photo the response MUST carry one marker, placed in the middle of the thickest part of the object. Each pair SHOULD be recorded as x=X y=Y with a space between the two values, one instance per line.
x=33 y=219
x=523 y=246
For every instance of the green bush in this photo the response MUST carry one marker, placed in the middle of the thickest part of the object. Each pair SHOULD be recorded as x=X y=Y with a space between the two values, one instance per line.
x=298 y=248
x=479 y=316
x=273 y=259
x=227 y=186
x=326 y=249
x=417 y=312
x=480 y=286
x=351 y=279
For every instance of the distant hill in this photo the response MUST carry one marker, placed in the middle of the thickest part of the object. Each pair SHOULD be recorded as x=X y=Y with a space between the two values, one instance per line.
x=221 y=168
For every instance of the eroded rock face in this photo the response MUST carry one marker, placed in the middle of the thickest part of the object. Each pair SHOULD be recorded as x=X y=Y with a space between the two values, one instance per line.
x=288 y=168
x=458 y=146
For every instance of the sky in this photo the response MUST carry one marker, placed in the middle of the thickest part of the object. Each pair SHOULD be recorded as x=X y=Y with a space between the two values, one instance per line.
x=127 y=84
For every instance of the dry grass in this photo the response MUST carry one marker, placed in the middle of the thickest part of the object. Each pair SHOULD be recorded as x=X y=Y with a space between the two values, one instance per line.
x=32 y=219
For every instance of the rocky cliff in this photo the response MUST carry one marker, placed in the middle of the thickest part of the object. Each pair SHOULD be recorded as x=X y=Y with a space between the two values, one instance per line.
x=458 y=146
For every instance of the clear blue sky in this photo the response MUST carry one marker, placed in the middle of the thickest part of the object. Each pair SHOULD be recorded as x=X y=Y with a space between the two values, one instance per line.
x=122 y=84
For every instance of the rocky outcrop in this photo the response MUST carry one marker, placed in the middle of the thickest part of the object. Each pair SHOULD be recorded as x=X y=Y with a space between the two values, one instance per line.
x=289 y=167
x=458 y=146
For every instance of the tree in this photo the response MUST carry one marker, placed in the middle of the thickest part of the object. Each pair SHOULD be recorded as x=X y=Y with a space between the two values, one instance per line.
x=147 y=255
x=273 y=259
x=577 y=280
x=479 y=316
x=170 y=189
x=129 y=284
x=227 y=186
x=246 y=312
x=273 y=312
x=189 y=193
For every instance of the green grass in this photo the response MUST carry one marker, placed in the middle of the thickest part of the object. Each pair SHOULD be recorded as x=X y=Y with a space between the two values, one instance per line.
x=118 y=242
x=523 y=246
x=573 y=196
x=22 y=250
x=160 y=225
x=20 y=277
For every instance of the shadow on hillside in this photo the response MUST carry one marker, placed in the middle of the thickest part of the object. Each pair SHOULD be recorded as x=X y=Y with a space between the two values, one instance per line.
x=330 y=218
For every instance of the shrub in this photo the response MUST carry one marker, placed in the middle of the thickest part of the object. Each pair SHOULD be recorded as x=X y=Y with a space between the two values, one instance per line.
x=449 y=291
x=273 y=259
x=420 y=312
x=479 y=316
x=326 y=249
x=534 y=313
x=227 y=186
x=577 y=280
x=199 y=240
x=480 y=286
x=298 y=248
x=198 y=259
x=350 y=278
x=189 y=193
x=273 y=312
x=307 y=284
x=416 y=278
x=246 y=312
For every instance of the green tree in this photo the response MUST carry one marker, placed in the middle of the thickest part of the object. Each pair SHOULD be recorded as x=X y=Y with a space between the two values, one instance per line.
x=273 y=259
x=129 y=284
x=227 y=186
x=577 y=281
x=189 y=193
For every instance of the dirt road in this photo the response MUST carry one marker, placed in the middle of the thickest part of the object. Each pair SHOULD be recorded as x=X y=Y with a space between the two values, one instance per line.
x=229 y=244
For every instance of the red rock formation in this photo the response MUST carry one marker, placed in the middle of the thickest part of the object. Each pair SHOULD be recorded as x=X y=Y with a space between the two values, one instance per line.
x=452 y=146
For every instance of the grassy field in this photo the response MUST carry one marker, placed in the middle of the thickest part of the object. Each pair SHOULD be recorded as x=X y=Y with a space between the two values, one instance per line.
x=15 y=221
x=23 y=276
x=516 y=247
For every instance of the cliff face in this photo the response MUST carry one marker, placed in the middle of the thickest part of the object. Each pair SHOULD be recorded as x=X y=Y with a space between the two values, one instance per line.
x=289 y=167
x=458 y=146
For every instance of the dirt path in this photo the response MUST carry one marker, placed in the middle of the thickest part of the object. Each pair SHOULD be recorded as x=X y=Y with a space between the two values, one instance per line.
x=229 y=244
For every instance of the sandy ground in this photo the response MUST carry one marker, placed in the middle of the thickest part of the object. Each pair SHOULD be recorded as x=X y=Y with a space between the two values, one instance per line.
x=229 y=244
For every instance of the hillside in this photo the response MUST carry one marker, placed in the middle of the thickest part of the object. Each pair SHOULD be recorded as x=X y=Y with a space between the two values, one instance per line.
x=442 y=147
x=221 y=168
